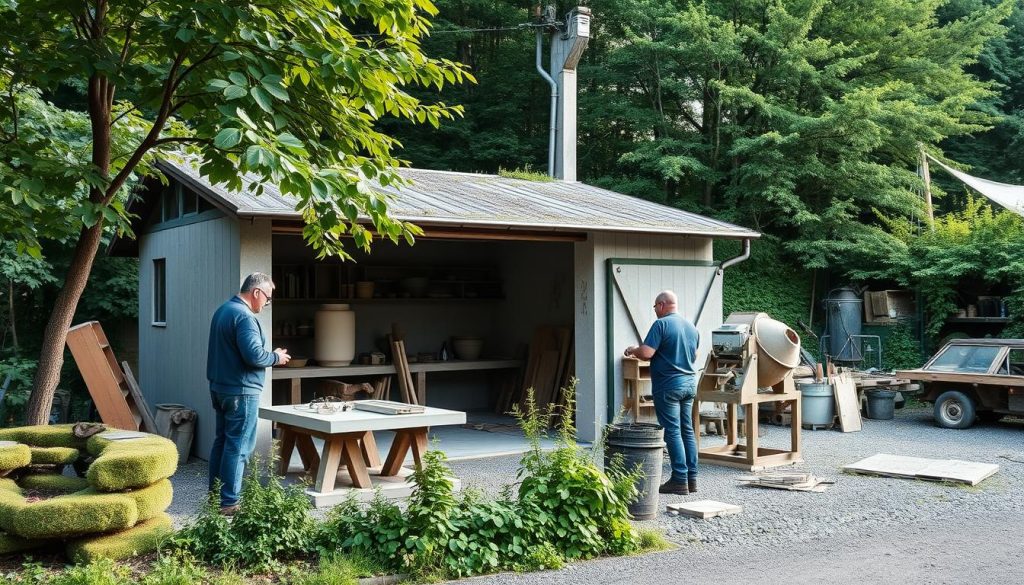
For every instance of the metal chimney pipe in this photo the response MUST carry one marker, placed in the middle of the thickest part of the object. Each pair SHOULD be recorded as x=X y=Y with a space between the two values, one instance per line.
x=552 y=118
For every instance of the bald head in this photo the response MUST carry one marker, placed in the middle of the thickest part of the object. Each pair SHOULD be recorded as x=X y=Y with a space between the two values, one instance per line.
x=665 y=303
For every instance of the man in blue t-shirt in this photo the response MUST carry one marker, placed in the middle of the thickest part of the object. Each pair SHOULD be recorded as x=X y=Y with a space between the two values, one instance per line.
x=671 y=347
x=236 y=366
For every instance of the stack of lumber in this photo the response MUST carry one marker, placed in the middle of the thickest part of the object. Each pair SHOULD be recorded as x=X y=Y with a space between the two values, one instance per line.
x=550 y=365
x=783 y=480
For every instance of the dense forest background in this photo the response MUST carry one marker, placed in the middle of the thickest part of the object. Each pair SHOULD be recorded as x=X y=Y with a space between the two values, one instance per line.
x=802 y=119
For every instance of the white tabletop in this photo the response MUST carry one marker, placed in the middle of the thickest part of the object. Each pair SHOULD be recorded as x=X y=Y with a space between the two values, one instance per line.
x=360 y=420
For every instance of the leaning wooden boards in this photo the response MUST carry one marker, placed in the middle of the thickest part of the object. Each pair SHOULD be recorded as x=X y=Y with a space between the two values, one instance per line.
x=103 y=377
x=847 y=402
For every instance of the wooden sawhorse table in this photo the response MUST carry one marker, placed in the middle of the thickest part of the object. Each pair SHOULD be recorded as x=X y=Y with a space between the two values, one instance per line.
x=348 y=439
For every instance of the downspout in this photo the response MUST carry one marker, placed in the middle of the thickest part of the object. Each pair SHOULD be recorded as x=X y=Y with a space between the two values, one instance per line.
x=721 y=269
x=554 y=106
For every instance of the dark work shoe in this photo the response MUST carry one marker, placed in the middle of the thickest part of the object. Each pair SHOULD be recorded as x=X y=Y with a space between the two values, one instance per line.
x=691 y=485
x=671 y=486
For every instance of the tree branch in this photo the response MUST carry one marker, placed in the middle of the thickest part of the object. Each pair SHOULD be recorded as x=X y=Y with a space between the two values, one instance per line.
x=154 y=132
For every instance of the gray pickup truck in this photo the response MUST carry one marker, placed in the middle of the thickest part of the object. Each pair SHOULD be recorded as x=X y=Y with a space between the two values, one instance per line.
x=971 y=379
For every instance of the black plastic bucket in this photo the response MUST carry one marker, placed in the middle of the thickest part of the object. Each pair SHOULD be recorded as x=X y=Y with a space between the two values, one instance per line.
x=881 y=404
x=640 y=445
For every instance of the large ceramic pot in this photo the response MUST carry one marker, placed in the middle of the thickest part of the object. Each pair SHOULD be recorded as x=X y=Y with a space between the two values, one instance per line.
x=335 y=335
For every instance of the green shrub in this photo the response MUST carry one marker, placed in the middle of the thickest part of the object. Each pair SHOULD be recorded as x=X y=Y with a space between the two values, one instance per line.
x=566 y=508
x=14 y=456
x=53 y=482
x=577 y=508
x=75 y=515
x=130 y=464
x=54 y=455
x=150 y=501
x=901 y=351
x=140 y=539
x=273 y=524
x=98 y=572
x=44 y=436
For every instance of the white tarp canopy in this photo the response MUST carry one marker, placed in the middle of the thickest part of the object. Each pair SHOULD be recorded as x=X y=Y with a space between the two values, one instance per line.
x=1009 y=196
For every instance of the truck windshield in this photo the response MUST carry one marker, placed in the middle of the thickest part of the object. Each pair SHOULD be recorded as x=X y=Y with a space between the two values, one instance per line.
x=965 y=358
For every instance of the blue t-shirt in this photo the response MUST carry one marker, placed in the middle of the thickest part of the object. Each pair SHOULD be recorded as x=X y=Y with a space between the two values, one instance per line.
x=675 y=342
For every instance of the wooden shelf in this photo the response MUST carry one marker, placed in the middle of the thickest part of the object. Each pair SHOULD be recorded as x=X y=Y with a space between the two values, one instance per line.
x=978 y=320
x=390 y=300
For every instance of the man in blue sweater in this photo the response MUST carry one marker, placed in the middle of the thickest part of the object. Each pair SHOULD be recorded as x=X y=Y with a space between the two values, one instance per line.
x=236 y=366
x=671 y=347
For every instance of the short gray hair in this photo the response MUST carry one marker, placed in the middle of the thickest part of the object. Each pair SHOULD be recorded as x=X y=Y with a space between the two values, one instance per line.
x=255 y=280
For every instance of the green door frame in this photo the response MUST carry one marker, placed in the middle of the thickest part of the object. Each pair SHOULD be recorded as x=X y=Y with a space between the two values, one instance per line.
x=610 y=310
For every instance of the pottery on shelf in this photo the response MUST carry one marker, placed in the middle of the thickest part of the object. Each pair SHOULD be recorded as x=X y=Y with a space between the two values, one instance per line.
x=335 y=335
x=467 y=348
x=364 y=289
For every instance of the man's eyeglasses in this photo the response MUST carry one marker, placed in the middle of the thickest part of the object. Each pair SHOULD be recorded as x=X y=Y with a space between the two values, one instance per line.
x=267 y=297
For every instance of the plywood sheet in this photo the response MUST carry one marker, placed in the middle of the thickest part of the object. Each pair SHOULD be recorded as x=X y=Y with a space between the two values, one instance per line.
x=954 y=470
x=847 y=403
x=705 y=509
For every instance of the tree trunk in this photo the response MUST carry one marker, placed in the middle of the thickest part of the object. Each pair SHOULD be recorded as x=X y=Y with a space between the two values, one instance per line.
x=10 y=307
x=51 y=357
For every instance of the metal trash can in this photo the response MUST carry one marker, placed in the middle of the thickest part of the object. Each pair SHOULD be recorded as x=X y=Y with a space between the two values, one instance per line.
x=176 y=422
x=817 y=403
x=640 y=445
x=881 y=404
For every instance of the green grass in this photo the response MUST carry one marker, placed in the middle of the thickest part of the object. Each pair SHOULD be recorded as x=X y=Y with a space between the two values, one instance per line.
x=339 y=570
x=652 y=540
x=138 y=540
x=526 y=174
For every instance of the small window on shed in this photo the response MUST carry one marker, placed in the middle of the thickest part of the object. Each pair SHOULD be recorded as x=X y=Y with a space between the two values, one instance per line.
x=205 y=205
x=190 y=203
x=159 y=291
x=171 y=204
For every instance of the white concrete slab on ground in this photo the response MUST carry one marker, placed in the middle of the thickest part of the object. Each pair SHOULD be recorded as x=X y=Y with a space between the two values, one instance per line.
x=704 y=509
x=954 y=470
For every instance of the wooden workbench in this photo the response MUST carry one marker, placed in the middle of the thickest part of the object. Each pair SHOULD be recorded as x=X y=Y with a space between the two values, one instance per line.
x=348 y=439
x=418 y=369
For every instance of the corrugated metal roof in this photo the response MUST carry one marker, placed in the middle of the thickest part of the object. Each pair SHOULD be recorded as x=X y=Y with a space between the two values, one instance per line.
x=444 y=198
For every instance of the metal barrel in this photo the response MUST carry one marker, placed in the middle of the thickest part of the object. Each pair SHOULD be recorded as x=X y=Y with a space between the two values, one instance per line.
x=640 y=445
x=881 y=404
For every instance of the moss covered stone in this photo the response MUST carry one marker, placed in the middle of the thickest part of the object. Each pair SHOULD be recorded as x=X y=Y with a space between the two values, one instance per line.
x=10 y=485
x=149 y=501
x=10 y=543
x=75 y=515
x=131 y=463
x=53 y=482
x=11 y=502
x=53 y=455
x=44 y=436
x=13 y=456
x=141 y=539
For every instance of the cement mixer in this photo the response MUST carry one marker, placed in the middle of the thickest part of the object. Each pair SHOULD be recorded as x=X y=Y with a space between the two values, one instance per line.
x=751 y=362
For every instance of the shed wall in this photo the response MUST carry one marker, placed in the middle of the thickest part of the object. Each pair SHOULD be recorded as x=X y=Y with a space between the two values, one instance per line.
x=641 y=285
x=202 y=261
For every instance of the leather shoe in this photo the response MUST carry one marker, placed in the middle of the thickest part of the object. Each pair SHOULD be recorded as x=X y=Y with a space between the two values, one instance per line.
x=673 y=487
x=692 y=485
x=228 y=510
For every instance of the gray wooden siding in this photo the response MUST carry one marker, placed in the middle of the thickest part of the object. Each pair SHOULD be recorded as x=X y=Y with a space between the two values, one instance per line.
x=641 y=284
x=202 y=272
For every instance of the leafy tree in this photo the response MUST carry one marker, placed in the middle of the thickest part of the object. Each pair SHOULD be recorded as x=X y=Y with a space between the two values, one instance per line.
x=288 y=92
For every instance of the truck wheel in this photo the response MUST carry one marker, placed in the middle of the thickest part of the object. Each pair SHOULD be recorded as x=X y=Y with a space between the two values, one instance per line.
x=954 y=410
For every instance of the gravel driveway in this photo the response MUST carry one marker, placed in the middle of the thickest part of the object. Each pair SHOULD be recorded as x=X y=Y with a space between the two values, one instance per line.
x=863 y=529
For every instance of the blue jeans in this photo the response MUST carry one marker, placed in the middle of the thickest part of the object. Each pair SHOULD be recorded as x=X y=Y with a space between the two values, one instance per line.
x=674 y=408
x=234 y=442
